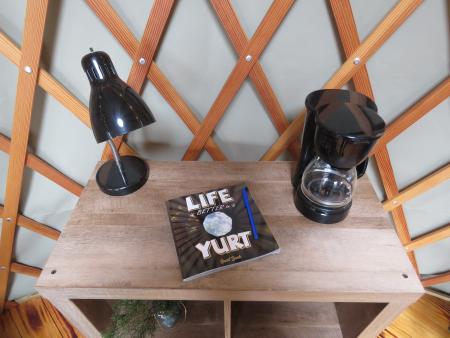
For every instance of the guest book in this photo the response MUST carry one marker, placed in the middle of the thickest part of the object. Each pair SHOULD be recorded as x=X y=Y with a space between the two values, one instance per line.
x=217 y=229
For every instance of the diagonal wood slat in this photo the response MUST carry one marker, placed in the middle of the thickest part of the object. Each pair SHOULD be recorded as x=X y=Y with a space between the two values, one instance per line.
x=239 y=39
x=247 y=60
x=154 y=28
x=45 y=169
x=24 y=269
x=156 y=24
x=416 y=112
x=120 y=31
x=390 y=186
x=34 y=226
x=437 y=279
x=349 y=38
x=36 y=13
x=428 y=238
x=37 y=227
x=373 y=42
x=418 y=188
x=50 y=85
x=345 y=22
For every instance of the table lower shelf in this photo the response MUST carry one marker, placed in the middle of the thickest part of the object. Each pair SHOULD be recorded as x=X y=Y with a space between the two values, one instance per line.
x=282 y=319
x=257 y=319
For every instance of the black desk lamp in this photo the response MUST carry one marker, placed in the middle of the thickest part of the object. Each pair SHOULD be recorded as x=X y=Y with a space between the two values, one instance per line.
x=115 y=109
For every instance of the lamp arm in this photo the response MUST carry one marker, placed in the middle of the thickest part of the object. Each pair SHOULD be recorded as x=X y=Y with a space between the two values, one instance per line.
x=117 y=159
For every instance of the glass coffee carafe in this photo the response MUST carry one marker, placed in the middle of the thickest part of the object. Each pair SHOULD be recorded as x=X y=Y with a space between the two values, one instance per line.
x=328 y=186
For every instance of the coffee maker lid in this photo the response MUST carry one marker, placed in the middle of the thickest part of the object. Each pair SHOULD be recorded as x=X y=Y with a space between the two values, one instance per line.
x=320 y=98
x=350 y=121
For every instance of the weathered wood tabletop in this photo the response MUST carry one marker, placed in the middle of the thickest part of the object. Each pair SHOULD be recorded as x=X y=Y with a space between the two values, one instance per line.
x=117 y=247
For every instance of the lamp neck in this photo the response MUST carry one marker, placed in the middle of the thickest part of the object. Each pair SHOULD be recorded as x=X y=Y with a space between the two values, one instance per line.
x=116 y=157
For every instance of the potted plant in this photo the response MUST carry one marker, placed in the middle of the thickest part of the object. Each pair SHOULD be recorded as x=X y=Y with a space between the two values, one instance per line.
x=167 y=312
x=141 y=318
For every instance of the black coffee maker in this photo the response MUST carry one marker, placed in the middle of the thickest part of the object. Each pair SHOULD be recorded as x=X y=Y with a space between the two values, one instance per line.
x=341 y=127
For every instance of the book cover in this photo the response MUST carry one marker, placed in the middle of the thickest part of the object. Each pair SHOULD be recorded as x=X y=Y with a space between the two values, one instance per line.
x=212 y=230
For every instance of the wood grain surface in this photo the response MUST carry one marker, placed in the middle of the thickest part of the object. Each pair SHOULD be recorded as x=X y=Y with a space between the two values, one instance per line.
x=283 y=319
x=36 y=13
x=35 y=318
x=123 y=247
x=427 y=318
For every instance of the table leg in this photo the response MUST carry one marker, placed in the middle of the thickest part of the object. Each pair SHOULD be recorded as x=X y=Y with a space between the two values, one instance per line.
x=383 y=319
x=73 y=314
x=227 y=318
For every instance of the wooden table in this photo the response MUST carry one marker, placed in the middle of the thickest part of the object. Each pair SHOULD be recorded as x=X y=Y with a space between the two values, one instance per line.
x=345 y=279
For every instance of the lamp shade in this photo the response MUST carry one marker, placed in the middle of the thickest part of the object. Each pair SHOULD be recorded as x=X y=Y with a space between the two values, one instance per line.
x=114 y=107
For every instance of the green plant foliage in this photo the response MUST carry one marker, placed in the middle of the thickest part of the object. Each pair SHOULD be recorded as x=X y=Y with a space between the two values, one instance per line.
x=132 y=318
x=136 y=318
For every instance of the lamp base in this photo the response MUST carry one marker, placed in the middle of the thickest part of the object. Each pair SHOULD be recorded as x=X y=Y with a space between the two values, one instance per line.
x=110 y=181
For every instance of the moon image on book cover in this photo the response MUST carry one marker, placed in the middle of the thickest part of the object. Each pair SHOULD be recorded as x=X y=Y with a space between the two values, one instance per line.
x=212 y=231
x=217 y=224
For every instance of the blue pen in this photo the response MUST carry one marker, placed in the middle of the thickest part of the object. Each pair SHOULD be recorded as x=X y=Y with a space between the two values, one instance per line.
x=249 y=212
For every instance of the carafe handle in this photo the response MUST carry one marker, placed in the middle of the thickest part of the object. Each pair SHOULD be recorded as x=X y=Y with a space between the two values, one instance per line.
x=361 y=168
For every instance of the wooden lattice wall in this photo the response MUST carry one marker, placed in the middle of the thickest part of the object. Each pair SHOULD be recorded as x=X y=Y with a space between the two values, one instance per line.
x=27 y=59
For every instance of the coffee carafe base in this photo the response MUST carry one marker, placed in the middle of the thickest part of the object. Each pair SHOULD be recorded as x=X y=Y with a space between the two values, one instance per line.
x=319 y=213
